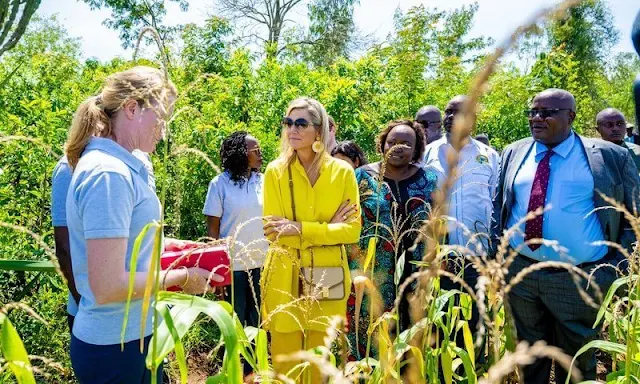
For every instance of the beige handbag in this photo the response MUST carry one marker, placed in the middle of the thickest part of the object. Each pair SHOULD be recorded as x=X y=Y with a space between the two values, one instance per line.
x=322 y=283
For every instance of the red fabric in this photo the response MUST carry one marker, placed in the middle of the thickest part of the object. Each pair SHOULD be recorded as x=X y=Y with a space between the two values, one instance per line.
x=212 y=259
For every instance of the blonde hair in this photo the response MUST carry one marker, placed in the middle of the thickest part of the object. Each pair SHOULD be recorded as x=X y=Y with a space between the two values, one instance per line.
x=320 y=120
x=93 y=116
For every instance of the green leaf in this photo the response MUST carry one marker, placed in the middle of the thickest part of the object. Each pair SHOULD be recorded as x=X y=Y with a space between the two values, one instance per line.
x=220 y=312
x=447 y=364
x=179 y=348
x=27 y=265
x=468 y=343
x=262 y=352
x=465 y=305
x=607 y=300
x=14 y=352
x=182 y=320
x=371 y=251
x=603 y=345
x=467 y=363
x=132 y=274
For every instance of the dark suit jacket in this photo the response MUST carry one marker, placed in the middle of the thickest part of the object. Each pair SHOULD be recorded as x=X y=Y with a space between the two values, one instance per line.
x=614 y=174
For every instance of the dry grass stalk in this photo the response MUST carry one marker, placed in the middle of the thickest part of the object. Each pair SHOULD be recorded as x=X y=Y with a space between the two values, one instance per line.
x=525 y=355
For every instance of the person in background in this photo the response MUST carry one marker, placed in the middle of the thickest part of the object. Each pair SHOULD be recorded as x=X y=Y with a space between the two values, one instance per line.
x=470 y=202
x=233 y=209
x=332 y=135
x=472 y=194
x=60 y=181
x=311 y=208
x=631 y=136
x=558 y=167
x=429 y=119
x=610 y=124
x=403 y=197
x=108 y=204
x=351 y=153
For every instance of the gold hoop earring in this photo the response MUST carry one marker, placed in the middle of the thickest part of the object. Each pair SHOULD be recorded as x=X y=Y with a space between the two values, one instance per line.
x=318 y=146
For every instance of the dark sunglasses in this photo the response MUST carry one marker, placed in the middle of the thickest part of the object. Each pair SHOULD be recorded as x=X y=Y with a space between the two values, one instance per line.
x=544 y=113
x=299 y=124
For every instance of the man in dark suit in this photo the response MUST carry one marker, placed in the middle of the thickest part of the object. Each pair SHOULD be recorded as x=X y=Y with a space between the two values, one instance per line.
x=558 y=167
x=611 y=124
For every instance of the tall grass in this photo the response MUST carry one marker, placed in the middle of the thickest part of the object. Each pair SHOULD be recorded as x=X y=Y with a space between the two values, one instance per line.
x=427 y=351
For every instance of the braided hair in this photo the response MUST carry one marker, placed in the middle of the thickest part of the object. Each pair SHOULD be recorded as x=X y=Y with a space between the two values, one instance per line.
x=235 y=157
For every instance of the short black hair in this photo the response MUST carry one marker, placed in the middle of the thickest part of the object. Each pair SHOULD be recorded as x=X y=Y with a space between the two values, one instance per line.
x=418 y=151
x=235 y=157
x=351 y=150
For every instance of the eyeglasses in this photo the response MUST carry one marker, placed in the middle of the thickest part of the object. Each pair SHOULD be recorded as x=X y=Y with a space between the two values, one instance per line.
x=426 y=123
x=544 y=113
x=451 y=111
x=612 y=124
x=298 y=124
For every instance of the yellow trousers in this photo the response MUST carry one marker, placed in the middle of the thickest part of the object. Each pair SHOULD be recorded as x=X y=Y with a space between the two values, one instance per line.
x=290 y=342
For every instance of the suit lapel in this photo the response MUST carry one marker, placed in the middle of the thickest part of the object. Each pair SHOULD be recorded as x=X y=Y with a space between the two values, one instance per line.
x=514 y=165
x=600 y=179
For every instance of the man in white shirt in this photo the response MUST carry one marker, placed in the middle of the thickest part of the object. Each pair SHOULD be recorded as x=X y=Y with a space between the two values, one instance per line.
x=470 y=200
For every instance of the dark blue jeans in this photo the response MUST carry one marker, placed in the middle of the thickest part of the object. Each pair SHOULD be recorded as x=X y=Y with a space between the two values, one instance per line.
x=244 y=303
x=109 y=364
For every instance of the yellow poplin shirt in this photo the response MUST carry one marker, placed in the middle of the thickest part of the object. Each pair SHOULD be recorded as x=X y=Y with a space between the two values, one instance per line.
x=315 y=207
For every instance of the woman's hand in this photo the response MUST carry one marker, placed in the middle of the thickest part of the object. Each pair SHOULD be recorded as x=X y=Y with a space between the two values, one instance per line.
x=197 y=281
x=279 y=226
x=173 y=245
x=345 y=213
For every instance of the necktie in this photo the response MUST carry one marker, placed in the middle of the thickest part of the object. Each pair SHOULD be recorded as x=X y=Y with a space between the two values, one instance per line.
x=533 y=228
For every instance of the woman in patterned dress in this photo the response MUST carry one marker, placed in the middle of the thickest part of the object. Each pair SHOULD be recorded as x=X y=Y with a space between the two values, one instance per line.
x=395 y=202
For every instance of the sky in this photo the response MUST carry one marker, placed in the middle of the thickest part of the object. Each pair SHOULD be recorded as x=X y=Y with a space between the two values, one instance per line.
x=495 y=18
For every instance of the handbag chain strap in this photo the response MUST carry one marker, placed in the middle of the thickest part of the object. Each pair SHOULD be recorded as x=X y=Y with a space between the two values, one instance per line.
x=293 y=208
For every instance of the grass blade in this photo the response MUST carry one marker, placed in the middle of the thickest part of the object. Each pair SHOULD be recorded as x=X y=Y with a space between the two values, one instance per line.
x=603 y=345
x=371 y=251
x=132 y=274
x=220 y=312
x=179 y=348
x=183 y=319
x=14 y=352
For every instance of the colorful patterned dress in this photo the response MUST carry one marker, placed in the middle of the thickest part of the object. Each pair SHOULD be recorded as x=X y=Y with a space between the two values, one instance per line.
x=395 y=201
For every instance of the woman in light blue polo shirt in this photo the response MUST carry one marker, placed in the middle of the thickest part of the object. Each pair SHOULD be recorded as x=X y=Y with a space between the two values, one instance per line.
x=60 y=180
x=109 y=202
x=233 y=209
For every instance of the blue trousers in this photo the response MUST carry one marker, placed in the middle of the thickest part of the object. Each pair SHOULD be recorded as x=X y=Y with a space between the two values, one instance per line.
x=109 y=364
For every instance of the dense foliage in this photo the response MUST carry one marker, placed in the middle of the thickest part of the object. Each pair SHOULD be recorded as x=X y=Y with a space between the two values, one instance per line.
x=427 y=60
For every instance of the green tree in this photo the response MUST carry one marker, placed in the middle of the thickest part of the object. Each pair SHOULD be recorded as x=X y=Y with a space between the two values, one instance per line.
x=129 y=17
x=206 y=49
x=14 y=17
x=331 y=29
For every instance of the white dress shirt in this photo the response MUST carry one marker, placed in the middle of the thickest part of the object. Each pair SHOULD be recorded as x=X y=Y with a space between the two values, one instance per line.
x=471 y=198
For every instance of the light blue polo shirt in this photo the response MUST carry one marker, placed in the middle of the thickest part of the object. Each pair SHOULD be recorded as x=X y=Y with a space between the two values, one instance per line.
x=109 y=197
x=60 y=181
x=239 y=208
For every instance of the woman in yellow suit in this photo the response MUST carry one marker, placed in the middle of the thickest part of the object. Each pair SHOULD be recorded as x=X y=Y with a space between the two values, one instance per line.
x=326 y=203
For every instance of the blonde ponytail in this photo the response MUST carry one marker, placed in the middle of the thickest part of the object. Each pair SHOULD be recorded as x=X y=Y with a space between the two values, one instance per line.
x=89 y=120
x=93 y=116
